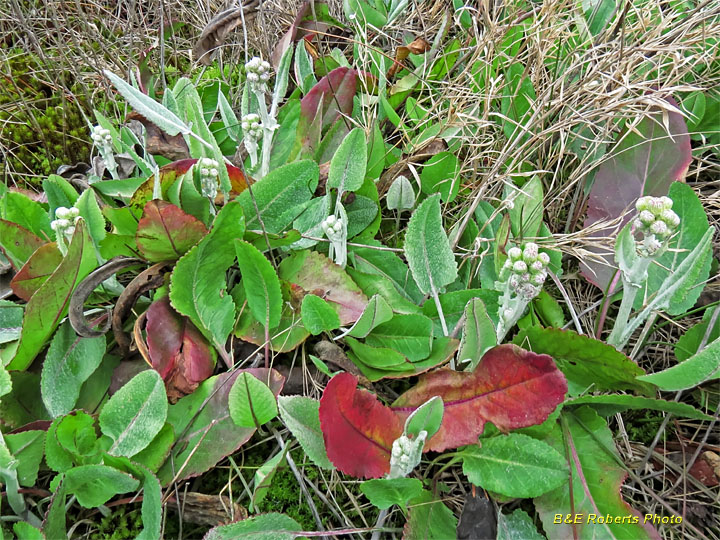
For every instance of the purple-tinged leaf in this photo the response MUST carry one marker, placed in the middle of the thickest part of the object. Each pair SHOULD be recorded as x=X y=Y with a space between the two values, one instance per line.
x=177 y=350
x=50 y=302
x=645 y=161
x=206 y=433
x=36 y=271
x=17 y=243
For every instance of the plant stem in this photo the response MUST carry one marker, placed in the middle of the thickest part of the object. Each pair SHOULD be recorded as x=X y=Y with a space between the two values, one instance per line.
x=628 y=299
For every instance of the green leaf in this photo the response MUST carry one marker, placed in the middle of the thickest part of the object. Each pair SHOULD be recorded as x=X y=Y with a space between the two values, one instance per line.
x=280 y=195
x=301 y=416
x=154 y=454
x=261 y=283
x=90 y=211
x=454 y=303
x=385 y=492
x=5 y=381
x=597 y=477
x=50 y=302
x=56 y=457
x=317 y=315
x=517 y=525
x=204 y=429
x=251 y=402
x=375 y=313
x=689 y=342
x=69 y=362
x=385 y=264
x=441 y=174
x=54 y=525
x=400 y=195
x=703 y=366
x=427 y=417
x=148 y=107
x=11 y=315
x=264 y=476
x=348 y=165
x=94 y=485
x=409 y=335
x=75 y=433
x=478 y=334
x=375 y=285
x=135 y=413
x=59 y=193
x=613 y=404
x=429 y=519
x=27 y=447
x=360 y=214
x=198 y=285
x=23 y=211
x=152 y=508
x=25 y=531
x=515 y=465
x=527 y=211
x=427 y=248
x=588 y=364
x=272 y=526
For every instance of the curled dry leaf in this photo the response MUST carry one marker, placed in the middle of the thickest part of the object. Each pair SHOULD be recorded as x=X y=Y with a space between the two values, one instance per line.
x=215 y=32
x=157 y=142
x=418 y=46
x=511 y=387
x=421 y=154
x=83 y=291
x=150 y=278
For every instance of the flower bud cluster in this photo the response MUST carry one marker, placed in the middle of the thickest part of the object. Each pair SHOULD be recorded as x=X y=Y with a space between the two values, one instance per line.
x=257 y=72
x=101 y=137
x=64 y=225
x=251 y=126
x=525 y=270
x=208 y=177
x=657 y=221
x=333 y=228
x=406 y=454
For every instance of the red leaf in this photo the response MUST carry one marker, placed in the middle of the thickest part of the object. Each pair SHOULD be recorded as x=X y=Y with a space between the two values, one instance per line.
x=511 y=387
x=36 y=270
x=166 y=233
x=357 y=428
x=335 y=92
x=644 y=162
x=17 y=243
x=177 y=350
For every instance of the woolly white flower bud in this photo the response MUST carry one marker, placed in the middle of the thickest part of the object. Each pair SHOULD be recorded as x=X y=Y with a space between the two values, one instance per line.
x=647 y=217
x=666 y=202
x=62 y=213
x=642 y=204
x=544 y=258
x=514 y=253
x=530 y=252
x=537 y=266
x=659 y=228
x=670 y=218
x=519 y=267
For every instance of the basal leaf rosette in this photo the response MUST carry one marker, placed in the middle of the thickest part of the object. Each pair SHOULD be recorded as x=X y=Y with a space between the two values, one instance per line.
x=511 y=387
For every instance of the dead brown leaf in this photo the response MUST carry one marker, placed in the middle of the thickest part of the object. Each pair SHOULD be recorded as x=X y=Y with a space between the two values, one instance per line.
x=215 y=32
x=418 y=46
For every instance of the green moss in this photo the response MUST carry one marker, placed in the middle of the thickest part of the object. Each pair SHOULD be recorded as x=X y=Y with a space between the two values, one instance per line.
x=41 y=126
x=121 y=524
